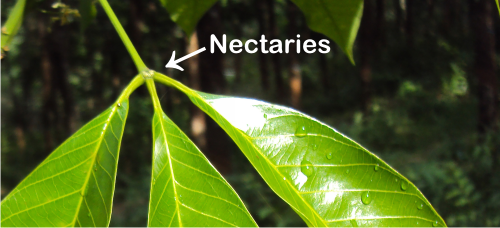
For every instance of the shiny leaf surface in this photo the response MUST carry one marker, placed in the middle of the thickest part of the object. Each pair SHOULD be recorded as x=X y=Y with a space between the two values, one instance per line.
x=186 y=189
x=187 y=13
x=74 y=185
x=339 y=20
x=327 y=178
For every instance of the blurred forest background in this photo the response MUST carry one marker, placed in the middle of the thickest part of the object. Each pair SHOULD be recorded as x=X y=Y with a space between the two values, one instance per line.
x=423 y=94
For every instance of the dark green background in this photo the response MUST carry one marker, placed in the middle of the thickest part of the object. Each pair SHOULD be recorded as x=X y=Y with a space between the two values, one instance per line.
x=420 y=113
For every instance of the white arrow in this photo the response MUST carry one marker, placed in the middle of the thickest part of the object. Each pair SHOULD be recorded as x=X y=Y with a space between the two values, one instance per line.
x=172 y=63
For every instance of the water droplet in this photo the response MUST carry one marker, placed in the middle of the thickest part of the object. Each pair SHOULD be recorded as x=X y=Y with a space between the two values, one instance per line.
x=435 y=223
x=417 y=222
x=284 y=178
x=306 y=168
x=301 y=132
x=347 y=171
x=396 y=179
x=265 y=116
x=88 y=214
x=404 y=185
x=420 y=206
x=119 y=105
x=366 y=197
x=329 y=156
x=376 y=167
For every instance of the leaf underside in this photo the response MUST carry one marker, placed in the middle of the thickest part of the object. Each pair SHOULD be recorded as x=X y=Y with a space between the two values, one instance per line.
x=339 y=20
x=74 y=185
x=186 y=190
x=327 y=178
x=187 y=13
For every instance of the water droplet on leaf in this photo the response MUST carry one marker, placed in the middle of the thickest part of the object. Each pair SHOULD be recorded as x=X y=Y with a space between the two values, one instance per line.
x=376 y=167
x=366 y=197
x=88 y=214
x=301 y=132
x=404 y=185
x=435 y=223
x=306 y=168
x=119 y=105
x=420 y=206
x=329 y=156
x=347 y=171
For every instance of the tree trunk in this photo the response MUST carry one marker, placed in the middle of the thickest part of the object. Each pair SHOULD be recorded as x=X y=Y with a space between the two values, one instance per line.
x=481 y=23
x=410 y=5
x=294 y=73
x=380 y=24
x=263 y=19
x=276 y=58
x=399 y=15
x=198 y=122
x=54 y=68
x=366 y=39
x=212 y=81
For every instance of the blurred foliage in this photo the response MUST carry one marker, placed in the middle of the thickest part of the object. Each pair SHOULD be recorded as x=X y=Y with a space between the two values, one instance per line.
x=422 y=119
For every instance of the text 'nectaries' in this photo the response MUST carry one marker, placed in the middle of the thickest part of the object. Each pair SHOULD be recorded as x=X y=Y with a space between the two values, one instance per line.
x=273 y=46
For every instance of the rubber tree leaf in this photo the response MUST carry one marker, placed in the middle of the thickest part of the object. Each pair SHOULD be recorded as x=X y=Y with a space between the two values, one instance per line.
x=339 y=20
x=327 y=178
x=88 y=12
x=10 y=28
x=74 y=185
x=187 y=13
x=186 y=189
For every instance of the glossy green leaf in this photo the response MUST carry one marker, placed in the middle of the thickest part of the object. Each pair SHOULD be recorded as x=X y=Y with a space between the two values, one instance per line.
x=10 y=28
x=327 y=178
x=88 y=12
x=74 y=186
x=187 y=13
x=186 y=190
x=339 y=20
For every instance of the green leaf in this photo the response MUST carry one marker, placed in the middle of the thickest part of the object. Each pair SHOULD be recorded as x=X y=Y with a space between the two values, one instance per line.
x=74 y=186
x=338 y=20
x=187 y=13
x=327 y=178
x=186 y=189
x=10 y=28
x=88 y=12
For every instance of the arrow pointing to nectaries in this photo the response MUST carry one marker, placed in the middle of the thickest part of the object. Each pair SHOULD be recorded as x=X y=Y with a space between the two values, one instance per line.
x=172 y=63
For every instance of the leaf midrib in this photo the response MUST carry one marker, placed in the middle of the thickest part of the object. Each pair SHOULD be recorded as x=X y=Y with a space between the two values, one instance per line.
x=101 y=138
x=160 y=117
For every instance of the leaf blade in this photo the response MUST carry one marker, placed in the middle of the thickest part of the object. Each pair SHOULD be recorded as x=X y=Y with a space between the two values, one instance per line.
x=339 y=20
x=67 y=182
x=350 y=187
x=187 y=13
x=178 y=169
